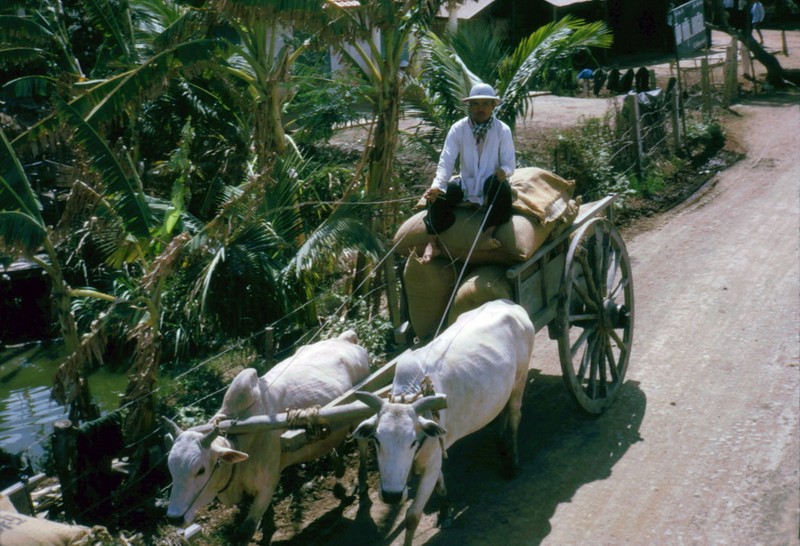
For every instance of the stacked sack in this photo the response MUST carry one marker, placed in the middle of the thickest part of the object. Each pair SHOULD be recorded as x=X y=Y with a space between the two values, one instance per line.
x=542 y=204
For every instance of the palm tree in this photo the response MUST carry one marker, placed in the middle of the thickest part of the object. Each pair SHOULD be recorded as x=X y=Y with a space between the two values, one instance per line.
x=436 y=96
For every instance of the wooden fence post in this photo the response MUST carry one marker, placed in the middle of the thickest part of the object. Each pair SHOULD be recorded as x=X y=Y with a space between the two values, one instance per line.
x=676 y=119
x=705 y=85
x=637 y=131
x=269 y=345
x=64 y=451
x=784 y=49
x=731 y=71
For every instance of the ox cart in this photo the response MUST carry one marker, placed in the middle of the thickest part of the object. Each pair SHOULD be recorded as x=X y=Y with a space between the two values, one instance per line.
x=578 y=285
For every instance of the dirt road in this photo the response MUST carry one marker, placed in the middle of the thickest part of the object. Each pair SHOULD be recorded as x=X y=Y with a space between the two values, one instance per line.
x=703 y=444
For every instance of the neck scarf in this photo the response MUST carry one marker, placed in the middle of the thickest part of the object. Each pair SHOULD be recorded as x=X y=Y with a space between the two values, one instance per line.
x=479 y=130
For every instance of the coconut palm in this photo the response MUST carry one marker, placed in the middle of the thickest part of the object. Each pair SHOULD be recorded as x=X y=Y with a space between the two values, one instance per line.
x=448 y=76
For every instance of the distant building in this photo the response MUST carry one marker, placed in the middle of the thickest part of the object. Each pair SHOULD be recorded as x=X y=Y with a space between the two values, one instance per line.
x=638 y=26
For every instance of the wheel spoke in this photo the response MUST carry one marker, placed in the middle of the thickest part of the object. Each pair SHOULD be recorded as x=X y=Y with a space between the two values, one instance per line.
x=593 y=374
x=612 y=364
x=588 y=277
x=618 y=340
x=611 y=275
x=579 y=342
x=602 y=246
x=623 y=283
x=583 y=294
x=586 y=358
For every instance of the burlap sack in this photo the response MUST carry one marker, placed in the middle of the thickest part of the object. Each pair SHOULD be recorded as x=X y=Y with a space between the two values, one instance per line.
x=541 y=204
x=541 y=194
x=20 y=530
x=428 y=289
x=484 y=283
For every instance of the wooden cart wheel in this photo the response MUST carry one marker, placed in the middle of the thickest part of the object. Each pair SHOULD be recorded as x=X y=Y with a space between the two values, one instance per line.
x=595 y=315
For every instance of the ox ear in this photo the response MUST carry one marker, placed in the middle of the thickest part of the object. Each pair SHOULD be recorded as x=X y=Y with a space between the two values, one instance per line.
x=371 y=399
x=366 y=429
x=431 y=428
x=228 y=455
x=173 y=431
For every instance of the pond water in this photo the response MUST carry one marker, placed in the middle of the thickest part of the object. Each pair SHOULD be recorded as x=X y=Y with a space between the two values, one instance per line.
x=27 y=412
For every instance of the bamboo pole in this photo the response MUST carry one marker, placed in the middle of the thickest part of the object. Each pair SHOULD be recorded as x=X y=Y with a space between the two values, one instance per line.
x=332 y=416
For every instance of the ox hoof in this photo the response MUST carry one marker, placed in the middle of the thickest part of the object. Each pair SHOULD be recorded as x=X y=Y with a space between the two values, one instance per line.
x=445 y=519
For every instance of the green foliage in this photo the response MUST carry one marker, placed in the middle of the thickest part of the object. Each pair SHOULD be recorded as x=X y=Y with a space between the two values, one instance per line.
x=375 y=333
x=648 y=186
x=194 y=388
x=585 y=154
x=484 y=45
x=704 y=138
x=323 y=100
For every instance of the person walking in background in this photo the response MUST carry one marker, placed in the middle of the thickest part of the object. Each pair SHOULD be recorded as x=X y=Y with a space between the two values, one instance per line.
x=484 y=147
x=757 y=12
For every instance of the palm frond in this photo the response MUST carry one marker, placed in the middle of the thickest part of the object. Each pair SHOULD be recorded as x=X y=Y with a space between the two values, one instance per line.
x=16 y=193
x=32 y=86
x=15 y=56
x=535 y=53
x=16 y=29
x=20 y=235
x=124 y=189
x=102 y=101
x=345 y=229
x=115 y=23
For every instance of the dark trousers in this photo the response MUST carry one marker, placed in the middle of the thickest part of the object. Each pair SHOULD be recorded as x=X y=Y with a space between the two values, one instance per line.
x=497 y=198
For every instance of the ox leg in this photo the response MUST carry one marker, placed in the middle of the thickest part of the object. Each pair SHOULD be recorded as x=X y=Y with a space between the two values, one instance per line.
x=339 y=490
x=363 y=487
x=260 y=510
x=445 y=519
x=427 y=483
x=268 y=526
x=509 y=425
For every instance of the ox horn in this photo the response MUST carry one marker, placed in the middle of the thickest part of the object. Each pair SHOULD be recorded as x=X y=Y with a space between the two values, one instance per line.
x=172 y=427
x=371 y=399
x=430 y=403
x=209 y=437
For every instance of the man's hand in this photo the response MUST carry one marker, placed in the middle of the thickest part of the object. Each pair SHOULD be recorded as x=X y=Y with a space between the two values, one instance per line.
x=431 y=194
x=500 y=174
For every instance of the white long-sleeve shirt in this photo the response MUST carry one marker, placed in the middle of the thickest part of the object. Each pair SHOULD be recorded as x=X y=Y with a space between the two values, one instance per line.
x=497 y=150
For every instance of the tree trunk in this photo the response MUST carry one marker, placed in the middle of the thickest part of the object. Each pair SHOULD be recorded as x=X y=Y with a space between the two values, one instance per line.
x=776 y=75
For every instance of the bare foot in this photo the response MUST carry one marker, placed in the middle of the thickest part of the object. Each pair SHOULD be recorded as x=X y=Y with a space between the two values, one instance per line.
x=431 y=251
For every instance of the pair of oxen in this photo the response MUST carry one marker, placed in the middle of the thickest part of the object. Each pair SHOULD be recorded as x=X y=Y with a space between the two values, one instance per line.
x=479 y=363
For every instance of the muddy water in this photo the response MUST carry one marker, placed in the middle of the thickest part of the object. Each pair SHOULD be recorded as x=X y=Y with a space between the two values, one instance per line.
x=27 y=412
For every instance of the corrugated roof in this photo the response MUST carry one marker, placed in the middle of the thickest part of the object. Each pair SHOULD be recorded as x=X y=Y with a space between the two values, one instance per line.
x=564 y=3
x=467 y=10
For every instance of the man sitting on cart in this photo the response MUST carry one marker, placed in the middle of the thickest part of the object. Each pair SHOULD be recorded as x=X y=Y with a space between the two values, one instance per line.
x=485 y=147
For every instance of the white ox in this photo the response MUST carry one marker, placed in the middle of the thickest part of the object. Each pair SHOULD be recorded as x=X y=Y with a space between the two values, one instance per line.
x=481 y=364
x=204 y=466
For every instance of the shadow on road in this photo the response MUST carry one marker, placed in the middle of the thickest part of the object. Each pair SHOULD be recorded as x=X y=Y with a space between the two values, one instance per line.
x=561 y=449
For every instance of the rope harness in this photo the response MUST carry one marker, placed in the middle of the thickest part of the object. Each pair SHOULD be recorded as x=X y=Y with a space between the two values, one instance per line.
x=308 y=419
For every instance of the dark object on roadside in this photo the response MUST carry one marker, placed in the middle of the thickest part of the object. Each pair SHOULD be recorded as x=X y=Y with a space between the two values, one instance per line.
x=642 y=80
x=613 y=81
x=626 y=83
x=598 y=79
x=670 y=89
